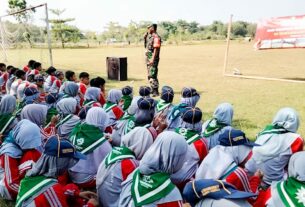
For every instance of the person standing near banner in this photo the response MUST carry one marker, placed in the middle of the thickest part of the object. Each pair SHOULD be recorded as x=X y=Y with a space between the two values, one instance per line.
x=152 y=43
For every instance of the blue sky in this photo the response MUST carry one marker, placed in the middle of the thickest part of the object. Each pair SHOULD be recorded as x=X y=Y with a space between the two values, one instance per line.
x=95 y=14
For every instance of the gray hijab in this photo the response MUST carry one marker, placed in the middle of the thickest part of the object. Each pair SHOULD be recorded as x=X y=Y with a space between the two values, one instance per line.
x=7 y=104
x=66 y=106
x=36 y=113
x=71 y=89
x=224 y=113
x=98 y=117
x=114 y=96
x=138 y=140
x=92 y=94
x=51 y=166
x=167 y=154
x=196 y=127
x=287 y=118
x=296 y=166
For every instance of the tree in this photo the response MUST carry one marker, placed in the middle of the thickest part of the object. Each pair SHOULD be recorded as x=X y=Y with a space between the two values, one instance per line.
x=62 y=31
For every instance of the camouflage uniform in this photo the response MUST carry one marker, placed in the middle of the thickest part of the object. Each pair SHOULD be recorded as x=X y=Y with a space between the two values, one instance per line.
x=153 y=41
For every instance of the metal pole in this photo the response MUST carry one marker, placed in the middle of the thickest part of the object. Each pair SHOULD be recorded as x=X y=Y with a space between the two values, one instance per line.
x=3 y=41
x=228 y=45
x=49 y=35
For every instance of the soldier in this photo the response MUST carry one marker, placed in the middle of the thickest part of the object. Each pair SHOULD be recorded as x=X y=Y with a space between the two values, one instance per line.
x=152 y=44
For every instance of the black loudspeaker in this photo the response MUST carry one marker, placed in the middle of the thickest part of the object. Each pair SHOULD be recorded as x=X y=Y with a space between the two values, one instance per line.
x=117 y=68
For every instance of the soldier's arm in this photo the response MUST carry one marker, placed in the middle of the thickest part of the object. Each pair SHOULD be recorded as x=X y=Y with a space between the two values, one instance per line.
x=157 y=45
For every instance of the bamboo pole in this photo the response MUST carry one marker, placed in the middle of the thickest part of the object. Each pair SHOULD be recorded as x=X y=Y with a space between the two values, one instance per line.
x=228 y=45
x=49 y=35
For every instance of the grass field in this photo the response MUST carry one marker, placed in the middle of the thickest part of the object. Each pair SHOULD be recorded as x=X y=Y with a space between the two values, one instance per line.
x=201 y=66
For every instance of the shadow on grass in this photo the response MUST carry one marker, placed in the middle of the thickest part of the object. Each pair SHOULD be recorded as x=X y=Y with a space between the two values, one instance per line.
x=244 y=124
x=295 y=78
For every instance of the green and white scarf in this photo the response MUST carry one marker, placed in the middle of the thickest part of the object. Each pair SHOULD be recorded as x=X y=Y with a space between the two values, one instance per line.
x=190 y=136
x=147 y=189
x=291 y=192
x=118 y=153
x=51 y=112
x=86 y=138
x=273 y=129
x=88 y=103
x=32 y=186
x=5 y=121
x=64 y=120
x=161 y=105
x=108 y=106
x=127 y=101
x=213 y=127
x=130 y=125
x=125 y=116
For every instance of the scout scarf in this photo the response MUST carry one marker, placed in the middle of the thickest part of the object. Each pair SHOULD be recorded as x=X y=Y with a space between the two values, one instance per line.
x=118 y=153
x=5 y=121
x=127 y=101
x=51 y=112
x=190 y=135
x=147 y=189
x=88 y=103
x=32 y=186
x=161 y=105
x=108 y=106
x=291 y=192
x=273 y=129
x=86 y=138
x=213 y=127
x=64 y=119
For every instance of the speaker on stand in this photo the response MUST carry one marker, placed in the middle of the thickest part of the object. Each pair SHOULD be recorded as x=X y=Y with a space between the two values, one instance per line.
x=117 y=68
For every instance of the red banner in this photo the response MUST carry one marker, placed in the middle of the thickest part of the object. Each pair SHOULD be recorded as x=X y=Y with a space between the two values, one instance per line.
x=280 y=32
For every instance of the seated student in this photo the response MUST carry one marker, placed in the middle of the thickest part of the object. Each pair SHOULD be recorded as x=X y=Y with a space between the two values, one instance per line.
x=88 y=138
x=226 y=161
x=27 y=69
x=40 y=187
x=70 y=77
x=145 y=91
x=31 y=96
x=119 y=163
x=111 y=107
x=20 y=77
x=4 y=76
x=18 y=153
x=70 y=90
x=126 y=99
x=84 y=81
x=50 y=79
x=289 y=192
x=119 y=129
x=36 y=69
x=222 y=119
x=215 y=193
x=57 y=82
x=198 y=149
x=99 y=82
x=23 y=85
x=150 y=184
x=11 y=71
x=278 y=142
x=66 y=119
x=164 y=105
x=51 y=100
x=37 y=114
x=39 y=80
x=190 y=97
x=7 y=117
x=92 y=97
x=143 y=116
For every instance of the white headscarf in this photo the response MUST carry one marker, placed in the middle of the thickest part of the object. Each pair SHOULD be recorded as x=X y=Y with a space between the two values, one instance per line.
x=92 y=94
x=190 y=101
x=71 y=89
x=36 y=113
x=138 y=140
x=66 y=106
x=224 y=113
x=167 y=154
x=98 y=117
x=296 y=166
x=7 y=104
x=219 y=160
x=272 y=145
x=114 y=96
